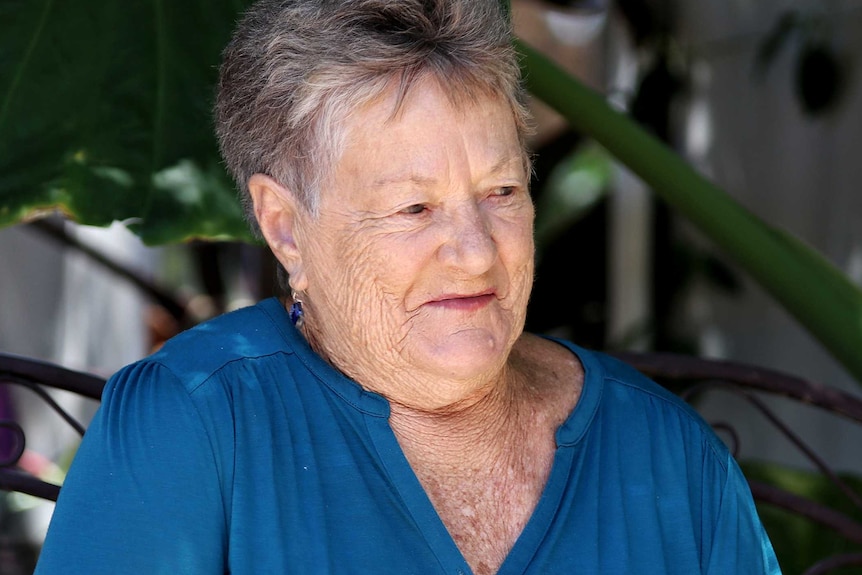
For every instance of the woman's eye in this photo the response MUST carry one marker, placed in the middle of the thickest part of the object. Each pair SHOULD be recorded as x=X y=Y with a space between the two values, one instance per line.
x=414 y=209
x=505 y=191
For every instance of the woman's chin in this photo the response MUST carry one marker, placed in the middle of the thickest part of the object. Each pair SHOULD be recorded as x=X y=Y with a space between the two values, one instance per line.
x=465 y=354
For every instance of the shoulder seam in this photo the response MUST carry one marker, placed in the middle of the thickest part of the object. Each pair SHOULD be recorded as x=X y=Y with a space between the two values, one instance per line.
x=690 y=414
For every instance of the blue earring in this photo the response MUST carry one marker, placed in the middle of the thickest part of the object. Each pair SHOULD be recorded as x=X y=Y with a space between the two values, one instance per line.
x=296 y=312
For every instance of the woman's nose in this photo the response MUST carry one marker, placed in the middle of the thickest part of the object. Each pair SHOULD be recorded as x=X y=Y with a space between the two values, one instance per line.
x=469 y=243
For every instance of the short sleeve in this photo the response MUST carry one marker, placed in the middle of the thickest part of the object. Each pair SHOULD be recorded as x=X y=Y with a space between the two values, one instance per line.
x=143 y=494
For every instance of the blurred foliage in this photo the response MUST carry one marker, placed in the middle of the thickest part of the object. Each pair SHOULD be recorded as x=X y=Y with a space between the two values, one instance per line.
x=811 y=288
x=105 y=115
x=574 y=187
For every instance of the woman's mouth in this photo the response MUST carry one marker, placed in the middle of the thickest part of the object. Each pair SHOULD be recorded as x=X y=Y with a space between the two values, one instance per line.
x=463 y=302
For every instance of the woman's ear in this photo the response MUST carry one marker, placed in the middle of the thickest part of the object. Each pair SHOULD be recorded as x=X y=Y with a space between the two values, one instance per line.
x=277 y=212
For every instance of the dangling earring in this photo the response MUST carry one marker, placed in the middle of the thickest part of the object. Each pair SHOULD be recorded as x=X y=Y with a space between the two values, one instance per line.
x=296 y=312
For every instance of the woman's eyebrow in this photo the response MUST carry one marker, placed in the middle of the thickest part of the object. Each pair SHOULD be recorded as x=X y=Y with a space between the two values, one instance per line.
x=403 y=178
x=503 y=162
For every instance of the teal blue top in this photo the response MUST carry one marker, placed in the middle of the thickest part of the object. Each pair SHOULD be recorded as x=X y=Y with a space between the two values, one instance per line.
x=236 y=449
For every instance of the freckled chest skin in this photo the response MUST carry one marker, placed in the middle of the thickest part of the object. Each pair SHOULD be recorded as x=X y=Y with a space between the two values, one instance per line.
x=418 y=269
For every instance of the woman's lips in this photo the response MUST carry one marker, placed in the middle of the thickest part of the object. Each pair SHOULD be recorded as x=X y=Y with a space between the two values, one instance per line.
x=463 y=302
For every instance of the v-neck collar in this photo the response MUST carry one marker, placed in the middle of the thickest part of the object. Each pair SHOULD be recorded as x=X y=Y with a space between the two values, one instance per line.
x=375 y=409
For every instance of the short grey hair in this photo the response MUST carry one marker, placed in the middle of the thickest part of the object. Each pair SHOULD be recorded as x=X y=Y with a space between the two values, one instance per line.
x=295 y=69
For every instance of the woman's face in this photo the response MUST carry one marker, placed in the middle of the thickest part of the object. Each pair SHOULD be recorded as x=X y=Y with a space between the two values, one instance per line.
x=417 y=272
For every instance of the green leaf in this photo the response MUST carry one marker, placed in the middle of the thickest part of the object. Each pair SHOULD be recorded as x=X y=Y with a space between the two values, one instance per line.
x=574 y=187
x=814 y=291
x=190 y=203
x=97 y=96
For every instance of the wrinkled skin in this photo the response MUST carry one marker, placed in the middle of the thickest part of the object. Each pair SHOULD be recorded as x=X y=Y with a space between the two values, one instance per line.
x=416 y=274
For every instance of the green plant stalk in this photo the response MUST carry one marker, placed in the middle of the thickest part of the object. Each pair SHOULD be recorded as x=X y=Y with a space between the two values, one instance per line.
x=813 y=290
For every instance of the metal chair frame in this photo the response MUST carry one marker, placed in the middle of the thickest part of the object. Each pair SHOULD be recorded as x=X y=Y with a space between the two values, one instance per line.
x=39 y=377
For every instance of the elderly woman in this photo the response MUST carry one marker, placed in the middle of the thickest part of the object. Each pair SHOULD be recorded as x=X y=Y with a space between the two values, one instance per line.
x=390 y=415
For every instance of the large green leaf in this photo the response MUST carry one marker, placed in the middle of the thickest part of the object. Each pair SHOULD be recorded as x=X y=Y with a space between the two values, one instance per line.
x=820 y=296
x=98 y=97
